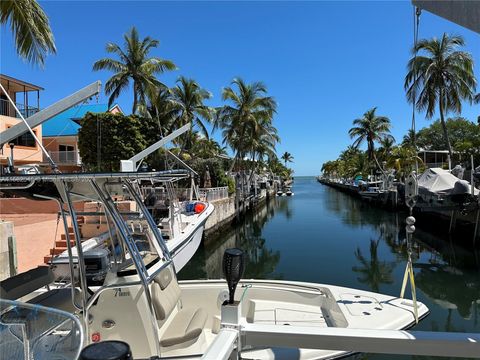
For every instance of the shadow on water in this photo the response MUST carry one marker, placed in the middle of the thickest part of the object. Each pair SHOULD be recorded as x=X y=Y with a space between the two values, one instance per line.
x=323 y=235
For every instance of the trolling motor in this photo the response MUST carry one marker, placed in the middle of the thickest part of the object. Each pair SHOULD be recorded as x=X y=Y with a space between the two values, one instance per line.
x=233 y=267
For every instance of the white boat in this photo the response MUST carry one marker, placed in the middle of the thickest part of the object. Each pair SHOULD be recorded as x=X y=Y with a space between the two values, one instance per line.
x=132 y=294
x=181 y=223
x=440 y=189
x=288 y=191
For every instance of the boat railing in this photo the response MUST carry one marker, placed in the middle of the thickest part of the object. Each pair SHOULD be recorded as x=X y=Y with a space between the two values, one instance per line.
x=213 y=194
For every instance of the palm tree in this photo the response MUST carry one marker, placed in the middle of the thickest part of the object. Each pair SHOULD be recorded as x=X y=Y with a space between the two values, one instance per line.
x=409 y=139
x=133 y=64
x=439 y=73
x=31 y=29
x=189 y=98
x=162 y=107
x=370 y=129
x=287 y=157
x=247 y=119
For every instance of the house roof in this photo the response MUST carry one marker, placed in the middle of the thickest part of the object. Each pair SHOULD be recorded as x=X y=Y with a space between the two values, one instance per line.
x=66 y=123
x=17 y=85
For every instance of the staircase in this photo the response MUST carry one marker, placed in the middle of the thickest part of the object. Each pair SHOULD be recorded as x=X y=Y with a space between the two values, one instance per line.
x=61 y=245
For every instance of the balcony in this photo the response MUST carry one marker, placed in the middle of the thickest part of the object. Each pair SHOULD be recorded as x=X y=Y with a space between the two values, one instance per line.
x=6 y=109
x=65 y=157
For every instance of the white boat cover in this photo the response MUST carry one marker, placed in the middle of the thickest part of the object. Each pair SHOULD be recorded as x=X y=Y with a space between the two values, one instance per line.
x=438 y=181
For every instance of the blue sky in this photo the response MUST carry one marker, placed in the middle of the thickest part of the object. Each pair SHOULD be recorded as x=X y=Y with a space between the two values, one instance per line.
x=326 y=63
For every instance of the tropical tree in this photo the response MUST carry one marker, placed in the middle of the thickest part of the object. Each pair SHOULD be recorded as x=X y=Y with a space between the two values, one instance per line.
x=30 y=27
x=386 y=147
x=189 y=100
x=409 y=139
x=246 y=120
x=439 y=73
x=370 y=129
x=133 y=64
x=287 y=157
x=162 y=107
x=207 y=148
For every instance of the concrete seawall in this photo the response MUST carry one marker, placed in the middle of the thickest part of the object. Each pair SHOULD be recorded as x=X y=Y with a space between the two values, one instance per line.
x=222 y=215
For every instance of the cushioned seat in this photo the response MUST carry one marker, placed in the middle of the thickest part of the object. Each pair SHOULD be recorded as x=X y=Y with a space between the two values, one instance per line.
x=186 y=326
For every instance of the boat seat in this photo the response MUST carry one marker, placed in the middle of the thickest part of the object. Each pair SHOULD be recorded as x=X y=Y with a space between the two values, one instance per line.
x=187 y=324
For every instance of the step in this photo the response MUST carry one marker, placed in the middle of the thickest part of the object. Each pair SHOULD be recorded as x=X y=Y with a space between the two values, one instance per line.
x=71 y=236
x=57 y=250
x=63 y=243
x=47 y=259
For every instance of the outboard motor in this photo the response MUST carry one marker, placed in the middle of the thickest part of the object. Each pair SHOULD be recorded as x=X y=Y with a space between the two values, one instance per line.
x=233 y=267
x=461 y=192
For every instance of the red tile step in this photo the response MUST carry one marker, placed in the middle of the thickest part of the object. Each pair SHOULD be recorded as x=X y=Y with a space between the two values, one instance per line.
x=57 y=250
x=63 y=243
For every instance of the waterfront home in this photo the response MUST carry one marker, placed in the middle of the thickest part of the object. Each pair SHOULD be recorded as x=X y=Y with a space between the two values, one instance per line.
x=26 y=97
x=60 y=134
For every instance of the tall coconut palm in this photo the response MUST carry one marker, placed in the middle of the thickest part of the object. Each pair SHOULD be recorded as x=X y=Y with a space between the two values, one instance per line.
x=247 y=118
x=133 y=64
x=370 y=129
x=189 y=98
x=30 y=27
x=439 y=73
x=287 y=157
x=162 y=107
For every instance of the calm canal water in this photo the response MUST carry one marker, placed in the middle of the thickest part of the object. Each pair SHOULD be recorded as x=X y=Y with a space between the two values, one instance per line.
x=322 y=235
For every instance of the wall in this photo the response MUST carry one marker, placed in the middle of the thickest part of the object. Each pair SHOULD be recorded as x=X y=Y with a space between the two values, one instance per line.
x=7 y=250
x=27 y=206
x=21 y=154
x=224 y=213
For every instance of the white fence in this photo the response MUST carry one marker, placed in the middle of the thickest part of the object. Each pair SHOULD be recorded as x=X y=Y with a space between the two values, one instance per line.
x=212 y=194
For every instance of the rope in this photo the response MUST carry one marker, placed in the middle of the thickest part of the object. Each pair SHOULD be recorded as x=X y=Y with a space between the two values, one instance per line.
x=411 y=186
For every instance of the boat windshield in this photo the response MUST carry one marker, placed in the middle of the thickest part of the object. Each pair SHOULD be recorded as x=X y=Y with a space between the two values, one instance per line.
x=36 y=332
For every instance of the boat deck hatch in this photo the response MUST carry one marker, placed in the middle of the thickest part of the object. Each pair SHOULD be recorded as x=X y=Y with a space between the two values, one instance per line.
x=282 y=313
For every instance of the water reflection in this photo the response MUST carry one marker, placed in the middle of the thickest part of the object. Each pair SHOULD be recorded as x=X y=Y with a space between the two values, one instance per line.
x=321 y=235
x=373 y=272
x=261 y=261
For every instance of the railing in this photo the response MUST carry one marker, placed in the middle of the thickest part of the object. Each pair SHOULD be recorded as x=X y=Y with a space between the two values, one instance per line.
x=206 y=194
x=213 y=194
x=66 y=157
x=7 y=109
x=436 y=165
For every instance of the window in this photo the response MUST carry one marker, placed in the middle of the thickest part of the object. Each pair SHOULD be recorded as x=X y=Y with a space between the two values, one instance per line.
x=66 y=153
x=25 y=140
x=65 y=148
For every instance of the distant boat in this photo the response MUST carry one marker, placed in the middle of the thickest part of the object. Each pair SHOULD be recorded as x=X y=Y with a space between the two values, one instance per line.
x=438 y=188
